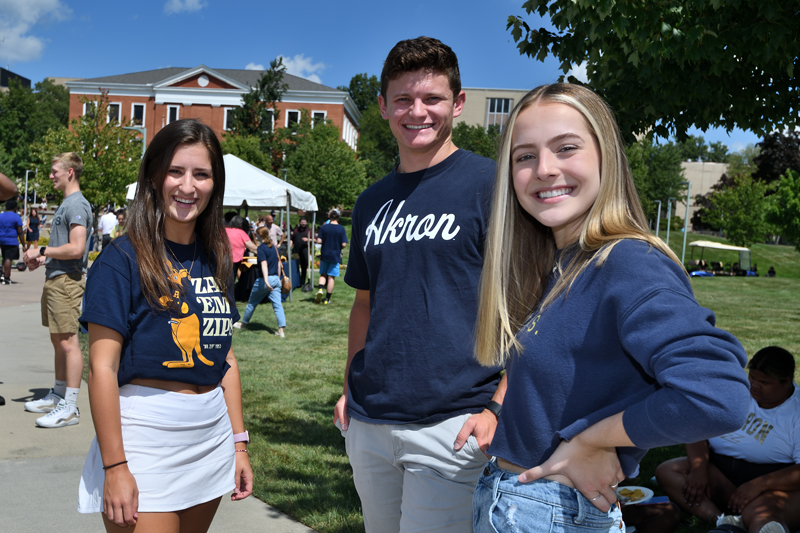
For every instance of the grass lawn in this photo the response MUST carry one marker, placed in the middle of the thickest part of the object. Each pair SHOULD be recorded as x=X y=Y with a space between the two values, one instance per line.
x=291 y=385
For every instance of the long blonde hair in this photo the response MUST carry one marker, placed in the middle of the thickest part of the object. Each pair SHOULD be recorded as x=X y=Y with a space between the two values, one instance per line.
x=520 y=252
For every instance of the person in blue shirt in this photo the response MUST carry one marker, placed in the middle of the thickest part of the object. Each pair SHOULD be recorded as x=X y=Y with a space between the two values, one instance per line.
x=164 y=383
x=10 y=236
x=268 y=283
x=333 y=239
x=607 y=352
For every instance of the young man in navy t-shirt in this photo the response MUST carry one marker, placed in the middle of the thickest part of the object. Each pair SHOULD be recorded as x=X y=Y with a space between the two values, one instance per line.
x=417 y=408
x=333 y=238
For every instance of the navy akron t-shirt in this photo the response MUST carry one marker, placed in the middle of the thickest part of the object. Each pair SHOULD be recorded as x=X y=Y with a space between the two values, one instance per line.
x=417 y=246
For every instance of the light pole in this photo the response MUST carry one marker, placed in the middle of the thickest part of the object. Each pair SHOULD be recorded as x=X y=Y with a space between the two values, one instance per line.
x=669 y=216
x=658 y=220
x=686 y=219
x=143 y=131
x=25 y=209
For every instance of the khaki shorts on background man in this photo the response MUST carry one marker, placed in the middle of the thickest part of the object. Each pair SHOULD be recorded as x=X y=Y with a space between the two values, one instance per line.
x=61 y=302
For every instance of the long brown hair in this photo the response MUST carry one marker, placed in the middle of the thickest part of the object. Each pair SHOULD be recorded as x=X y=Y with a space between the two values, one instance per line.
x=147 y=210
x=520 y=251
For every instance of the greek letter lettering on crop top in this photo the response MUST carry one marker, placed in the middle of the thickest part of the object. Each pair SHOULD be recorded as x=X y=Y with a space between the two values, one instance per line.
x=187 y=344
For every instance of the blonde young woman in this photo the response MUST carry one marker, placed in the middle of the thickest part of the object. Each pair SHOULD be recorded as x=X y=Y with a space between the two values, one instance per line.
x=607 y=353
x=163 y=380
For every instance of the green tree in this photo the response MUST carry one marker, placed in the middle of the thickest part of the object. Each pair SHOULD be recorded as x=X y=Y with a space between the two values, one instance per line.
x=778 y=153
x=476 y=139
x=785 y=212
x=111 y=155
x=364 y=90
x=665 y=66
x=657 y=173
x=326 y=166
x=741 y=211
x=259 y=111
x=695 y=148
x=377 y=146
x=743 y=162
x=247 y=148
x=25 y=117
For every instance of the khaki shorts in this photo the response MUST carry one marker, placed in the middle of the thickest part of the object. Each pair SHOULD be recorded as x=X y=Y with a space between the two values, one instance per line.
x=61 y=302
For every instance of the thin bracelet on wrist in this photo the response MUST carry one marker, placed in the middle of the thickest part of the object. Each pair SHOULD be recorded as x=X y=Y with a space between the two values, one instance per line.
x=115 y=464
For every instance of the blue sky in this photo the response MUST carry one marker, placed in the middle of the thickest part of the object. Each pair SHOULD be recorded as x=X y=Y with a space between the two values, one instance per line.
x=326 y=41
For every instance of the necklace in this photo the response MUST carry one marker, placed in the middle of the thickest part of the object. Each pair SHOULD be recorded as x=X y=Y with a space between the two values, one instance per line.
x=194 y=256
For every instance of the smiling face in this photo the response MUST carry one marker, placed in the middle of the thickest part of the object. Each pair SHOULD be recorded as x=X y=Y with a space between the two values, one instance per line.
x=420 y=108
x=186 y=190
x=59 y=175
x=555 y=167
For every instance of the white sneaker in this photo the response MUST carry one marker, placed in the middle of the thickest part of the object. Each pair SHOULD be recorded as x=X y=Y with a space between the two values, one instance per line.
x=318 y=298
x=240 y=325
x=65 y=414
x=44 y=405
x=772 y=527
x=731 y=520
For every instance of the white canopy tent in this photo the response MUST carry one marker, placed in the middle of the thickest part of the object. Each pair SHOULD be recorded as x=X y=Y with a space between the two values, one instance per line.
x=744 y=253
x=249 y=187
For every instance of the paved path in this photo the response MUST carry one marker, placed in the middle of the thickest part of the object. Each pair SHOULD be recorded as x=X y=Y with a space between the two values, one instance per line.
x=40 y=468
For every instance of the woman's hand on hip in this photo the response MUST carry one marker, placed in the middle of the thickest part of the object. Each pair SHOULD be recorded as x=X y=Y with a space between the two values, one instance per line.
x=121 y=496
x=594 y=472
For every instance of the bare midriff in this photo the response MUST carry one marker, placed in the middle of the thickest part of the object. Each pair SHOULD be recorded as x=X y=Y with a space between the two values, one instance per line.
x=173 y=386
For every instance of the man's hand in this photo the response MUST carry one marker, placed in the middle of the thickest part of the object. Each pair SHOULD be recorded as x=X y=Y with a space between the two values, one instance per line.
x=743 y=495
x=482 y=425
x=340 y=413
x=32 y=259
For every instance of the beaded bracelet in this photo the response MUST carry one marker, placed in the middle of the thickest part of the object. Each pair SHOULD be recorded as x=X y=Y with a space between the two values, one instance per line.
x=115 y=464
x=245 y=451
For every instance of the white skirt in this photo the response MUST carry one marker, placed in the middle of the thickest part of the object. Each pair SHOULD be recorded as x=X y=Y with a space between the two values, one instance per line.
x=179 y=449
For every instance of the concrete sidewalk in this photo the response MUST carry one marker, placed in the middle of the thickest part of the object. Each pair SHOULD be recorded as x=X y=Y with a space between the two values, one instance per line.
x=40 y=468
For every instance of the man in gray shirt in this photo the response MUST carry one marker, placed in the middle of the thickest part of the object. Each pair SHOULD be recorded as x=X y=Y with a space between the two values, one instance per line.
x=65 y=259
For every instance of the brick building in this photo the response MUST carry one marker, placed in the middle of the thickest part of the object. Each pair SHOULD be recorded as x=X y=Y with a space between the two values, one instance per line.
x=154 y=98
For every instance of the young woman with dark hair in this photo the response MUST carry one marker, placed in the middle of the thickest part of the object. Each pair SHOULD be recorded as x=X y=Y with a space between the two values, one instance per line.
x=163 y=380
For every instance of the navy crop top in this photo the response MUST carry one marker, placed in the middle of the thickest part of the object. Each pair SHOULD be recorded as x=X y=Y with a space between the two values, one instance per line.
x=189 y=344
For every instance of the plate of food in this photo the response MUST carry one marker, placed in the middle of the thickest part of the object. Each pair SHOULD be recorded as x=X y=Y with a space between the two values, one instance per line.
x=632 y=495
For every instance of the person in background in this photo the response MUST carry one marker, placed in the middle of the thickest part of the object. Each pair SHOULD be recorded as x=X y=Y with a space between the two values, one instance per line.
x=267 y=284
x=275 y=232
x=106 y=225
x=120 y=229
x=333 y=239
x=239 y=241
x=300 y=237
x=753 y=473
x=164 y=382
x=32 y=234
x=11 y=236
x=603 y=361
x=65 y=259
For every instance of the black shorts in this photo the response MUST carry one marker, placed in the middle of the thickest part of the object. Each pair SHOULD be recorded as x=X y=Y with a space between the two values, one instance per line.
x=739 y=471
x=10 y=251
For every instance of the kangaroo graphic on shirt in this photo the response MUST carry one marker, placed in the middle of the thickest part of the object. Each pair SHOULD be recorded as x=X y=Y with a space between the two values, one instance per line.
x=185 y=330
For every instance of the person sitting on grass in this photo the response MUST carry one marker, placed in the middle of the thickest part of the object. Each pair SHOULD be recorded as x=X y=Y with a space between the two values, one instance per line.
x=753 y=473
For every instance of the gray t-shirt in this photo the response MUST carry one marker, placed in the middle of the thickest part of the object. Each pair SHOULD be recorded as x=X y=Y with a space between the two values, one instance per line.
x=75 y=209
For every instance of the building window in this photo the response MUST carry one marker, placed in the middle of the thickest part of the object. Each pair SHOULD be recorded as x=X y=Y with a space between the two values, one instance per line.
x=89 y=109
x=137 y=114
x=271 y=123
x=113 y=112
x=498 y=111
x=173 y=113
x=292 y=117
x=318 y=117
x=228 y=118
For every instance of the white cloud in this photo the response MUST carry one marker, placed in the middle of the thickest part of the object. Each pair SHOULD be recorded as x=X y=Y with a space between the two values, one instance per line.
x=253 y=66
x=303 y=67
x=579 y=72
x=16 y=20
x=179 y=6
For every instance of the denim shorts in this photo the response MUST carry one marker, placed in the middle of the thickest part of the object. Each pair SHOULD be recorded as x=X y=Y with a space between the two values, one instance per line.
x=503 y=504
